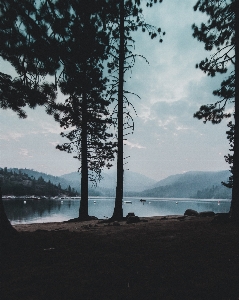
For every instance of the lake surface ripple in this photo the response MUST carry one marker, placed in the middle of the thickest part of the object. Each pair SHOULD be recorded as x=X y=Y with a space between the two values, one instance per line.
x=25 y=211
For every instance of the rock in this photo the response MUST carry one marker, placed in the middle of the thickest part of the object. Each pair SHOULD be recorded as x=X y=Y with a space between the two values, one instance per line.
x=191 y=212
x=206 y=214
x=130 y=214
x=132 y=219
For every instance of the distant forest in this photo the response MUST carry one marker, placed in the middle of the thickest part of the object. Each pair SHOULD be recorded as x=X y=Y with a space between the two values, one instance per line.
x=21 y=184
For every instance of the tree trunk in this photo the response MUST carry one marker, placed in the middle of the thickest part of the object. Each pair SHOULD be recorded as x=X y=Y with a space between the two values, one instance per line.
x=234 y=211
x=83 y=211
x=118 y=210
x=6 y=229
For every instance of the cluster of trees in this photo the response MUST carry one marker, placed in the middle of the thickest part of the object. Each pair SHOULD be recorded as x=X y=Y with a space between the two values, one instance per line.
x=215 y=192
x=73 y=43
x=20 y=184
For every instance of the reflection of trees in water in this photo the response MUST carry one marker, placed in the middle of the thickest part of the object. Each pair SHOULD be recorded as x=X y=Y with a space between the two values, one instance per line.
x=179 y=206
x=213 y=206
x=18 y=210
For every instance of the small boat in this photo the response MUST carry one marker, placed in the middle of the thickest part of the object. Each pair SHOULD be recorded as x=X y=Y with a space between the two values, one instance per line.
x=128 y=202
x=142 y=200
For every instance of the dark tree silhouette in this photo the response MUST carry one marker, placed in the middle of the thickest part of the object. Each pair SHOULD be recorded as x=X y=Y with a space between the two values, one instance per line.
x=126 y=18
x=83 y=41
x=229 y=156
x=6 y=229
x=23 y=45
x=221 y=35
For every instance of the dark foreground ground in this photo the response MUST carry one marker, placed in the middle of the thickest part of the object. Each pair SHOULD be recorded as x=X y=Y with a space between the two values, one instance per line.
x=193 y=258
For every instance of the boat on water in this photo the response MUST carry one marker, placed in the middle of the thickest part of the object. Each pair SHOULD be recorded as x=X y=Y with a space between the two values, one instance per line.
x=142 y=200
x=128 y=202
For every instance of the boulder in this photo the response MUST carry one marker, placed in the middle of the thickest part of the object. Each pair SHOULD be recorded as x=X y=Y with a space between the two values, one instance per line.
x=191 y=212
x=130 y=214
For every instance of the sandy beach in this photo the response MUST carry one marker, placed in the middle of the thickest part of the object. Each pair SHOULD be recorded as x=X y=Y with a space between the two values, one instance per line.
x=172 y=257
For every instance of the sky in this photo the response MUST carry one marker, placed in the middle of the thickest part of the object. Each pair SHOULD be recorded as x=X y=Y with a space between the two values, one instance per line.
x=167 y=140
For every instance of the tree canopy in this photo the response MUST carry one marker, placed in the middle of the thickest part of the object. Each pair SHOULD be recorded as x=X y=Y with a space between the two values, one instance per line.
x=220 y=36
x=24 y=44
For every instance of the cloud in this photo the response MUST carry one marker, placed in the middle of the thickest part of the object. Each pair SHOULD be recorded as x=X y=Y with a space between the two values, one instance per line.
x=48 y=127
x=11 y=136
x=133 y=145
x=25 y=152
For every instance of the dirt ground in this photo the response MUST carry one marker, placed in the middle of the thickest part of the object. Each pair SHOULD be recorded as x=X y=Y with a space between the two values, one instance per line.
x=157 y=258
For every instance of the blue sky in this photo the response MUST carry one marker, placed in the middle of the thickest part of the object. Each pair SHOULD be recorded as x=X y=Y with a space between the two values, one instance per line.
x=167 y=139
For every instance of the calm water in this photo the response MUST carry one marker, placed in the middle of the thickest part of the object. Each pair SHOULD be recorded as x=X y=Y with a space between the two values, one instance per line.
x=20 y=211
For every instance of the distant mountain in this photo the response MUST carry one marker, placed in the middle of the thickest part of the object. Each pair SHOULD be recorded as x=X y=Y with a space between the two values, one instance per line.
x=19 y=183
x=192 y=184
x=35 y=174
x=202 y=178
x=133 y=182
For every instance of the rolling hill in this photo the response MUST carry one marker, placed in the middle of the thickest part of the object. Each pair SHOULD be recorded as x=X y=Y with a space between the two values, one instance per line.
x=133 y=182
x=192 y=184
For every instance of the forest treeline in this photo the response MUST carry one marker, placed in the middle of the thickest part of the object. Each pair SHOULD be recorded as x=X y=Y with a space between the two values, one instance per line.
x=215 y=192
x=181 y=190
x=188 y=185
x=20 y=184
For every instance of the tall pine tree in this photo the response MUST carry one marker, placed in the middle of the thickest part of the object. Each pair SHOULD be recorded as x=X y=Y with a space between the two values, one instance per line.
x=79 y=27
x=126 y=18
x=221 y=36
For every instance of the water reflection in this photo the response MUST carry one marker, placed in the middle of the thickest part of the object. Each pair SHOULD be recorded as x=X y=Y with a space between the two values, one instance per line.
x=39 y=211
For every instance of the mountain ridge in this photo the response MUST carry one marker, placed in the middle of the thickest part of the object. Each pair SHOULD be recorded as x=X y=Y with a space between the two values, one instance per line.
x=132 y=181
x=192 y=184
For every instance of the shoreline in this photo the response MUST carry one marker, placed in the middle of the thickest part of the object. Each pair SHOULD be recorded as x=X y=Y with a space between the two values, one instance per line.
x=173 y=257
x=72 y=225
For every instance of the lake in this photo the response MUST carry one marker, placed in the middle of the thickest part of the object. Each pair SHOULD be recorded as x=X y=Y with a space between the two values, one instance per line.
x=26 y=211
